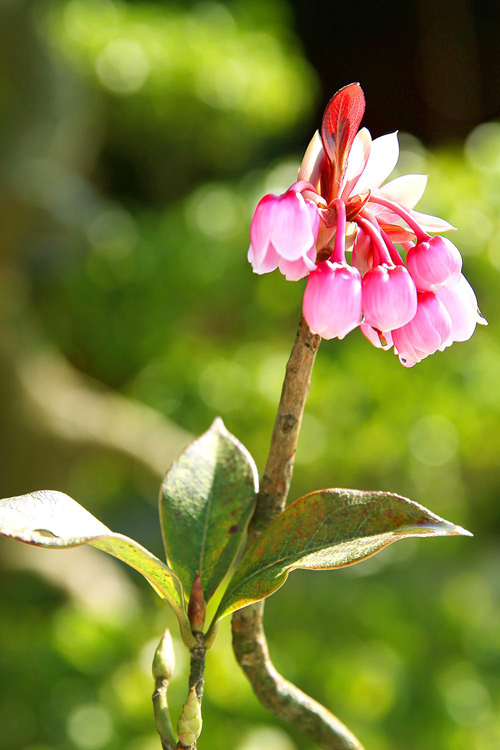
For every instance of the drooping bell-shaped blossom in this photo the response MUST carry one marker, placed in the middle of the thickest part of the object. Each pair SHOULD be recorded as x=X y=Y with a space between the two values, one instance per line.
x=389 y=297
x=427 y=332
x=461 y=304
x=434 y=263
x=283 y=235
x=343 y=192
x=389 y=292
x=332 y=300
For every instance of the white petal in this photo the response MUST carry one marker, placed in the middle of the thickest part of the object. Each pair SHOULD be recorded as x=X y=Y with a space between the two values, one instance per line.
x=358 y=159
x=406 y=190
x=313 y=161
x=383 y=158
x=431 y=223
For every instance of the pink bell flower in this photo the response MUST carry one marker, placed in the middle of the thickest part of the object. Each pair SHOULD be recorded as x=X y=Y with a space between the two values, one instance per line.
x=389 y=297
x=461 y=304
x=283 y=235
x=434 y=263
x=427 y=332
x=343 y=200
x=332 y=300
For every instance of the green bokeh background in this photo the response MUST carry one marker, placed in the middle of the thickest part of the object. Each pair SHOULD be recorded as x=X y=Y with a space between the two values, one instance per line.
x=136 y=139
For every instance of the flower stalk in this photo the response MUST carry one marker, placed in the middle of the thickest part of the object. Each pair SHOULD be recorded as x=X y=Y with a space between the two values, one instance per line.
x=277 y=476
x=279 y=696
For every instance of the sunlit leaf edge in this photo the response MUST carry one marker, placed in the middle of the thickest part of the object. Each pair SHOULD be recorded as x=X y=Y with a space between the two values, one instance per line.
x=434 y=527
x=217 y=427
x=105 y=540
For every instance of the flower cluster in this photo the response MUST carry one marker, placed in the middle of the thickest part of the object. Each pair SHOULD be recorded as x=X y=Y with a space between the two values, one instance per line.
x=340 y=203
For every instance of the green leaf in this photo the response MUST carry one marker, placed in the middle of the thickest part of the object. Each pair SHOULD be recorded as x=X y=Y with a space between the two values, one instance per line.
x=324 y=530
x=206 y=501
x=52 y=519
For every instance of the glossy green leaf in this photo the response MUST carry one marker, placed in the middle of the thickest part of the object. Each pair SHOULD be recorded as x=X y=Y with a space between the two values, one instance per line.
x=52 y=519
x=206 y=501
x=324 y=530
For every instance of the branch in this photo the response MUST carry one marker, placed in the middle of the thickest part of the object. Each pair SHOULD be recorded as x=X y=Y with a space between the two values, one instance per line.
x=277 y=476
x=275 y=693
x=280 y=697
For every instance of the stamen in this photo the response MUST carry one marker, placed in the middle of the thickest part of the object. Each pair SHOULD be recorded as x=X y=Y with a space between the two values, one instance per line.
x=381 y=337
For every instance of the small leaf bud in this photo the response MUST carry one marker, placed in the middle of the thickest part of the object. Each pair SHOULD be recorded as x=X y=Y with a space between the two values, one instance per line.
x=164 y=658
x=197 y=607
x=190 y=721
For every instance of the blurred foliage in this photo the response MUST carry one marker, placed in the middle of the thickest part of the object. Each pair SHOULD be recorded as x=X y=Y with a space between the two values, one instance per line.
x=136 y=139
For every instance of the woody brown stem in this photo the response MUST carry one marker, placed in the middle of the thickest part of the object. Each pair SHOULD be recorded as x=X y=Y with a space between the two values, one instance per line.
x=277 y=476
x=280 y=697
x=275 y=693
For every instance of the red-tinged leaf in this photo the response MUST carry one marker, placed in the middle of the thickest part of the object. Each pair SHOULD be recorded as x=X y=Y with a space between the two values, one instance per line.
x=326 y=530
x=397 y=233
x=355 y=205
x=343 y=115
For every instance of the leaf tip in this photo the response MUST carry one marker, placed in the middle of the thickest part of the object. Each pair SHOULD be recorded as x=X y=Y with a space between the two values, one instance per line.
x=460 y=531
x=445 y=528
x=218 y=425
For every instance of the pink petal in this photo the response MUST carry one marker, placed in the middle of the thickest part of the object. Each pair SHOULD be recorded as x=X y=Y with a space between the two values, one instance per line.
x=332 y=300
x=373 y=337
x=389 y=297
x=260 y=228
x=461 y=303
x=434 y=264
x=263 y=263
x=294 y=227
x=406 y=190
x=429 y=330
x=293 y=270
x=384 y=155
x=358 y=159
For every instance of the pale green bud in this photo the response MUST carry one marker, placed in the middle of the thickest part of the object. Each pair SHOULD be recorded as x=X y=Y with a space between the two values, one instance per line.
x=164 y=658
x=190 y=721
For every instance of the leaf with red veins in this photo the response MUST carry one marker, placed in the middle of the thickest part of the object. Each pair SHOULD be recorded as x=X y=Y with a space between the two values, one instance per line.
x=341 y=120
x=397 y=233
